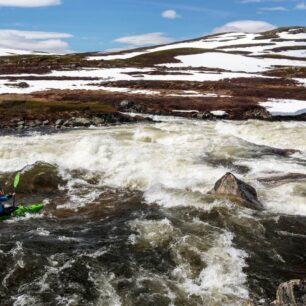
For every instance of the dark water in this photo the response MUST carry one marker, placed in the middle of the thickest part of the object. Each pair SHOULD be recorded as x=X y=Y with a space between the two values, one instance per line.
x=94 y=260
x=127 y=220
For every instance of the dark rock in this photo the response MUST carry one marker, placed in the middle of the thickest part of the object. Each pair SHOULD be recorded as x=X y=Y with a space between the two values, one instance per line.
x=67 y=123
x=279 y=152
x=97 y=121
x=204 y=115
x=256 y=113
x=126 y=104
x=81 y=122
x=23 y=85
x=283 y=179
x=20 y=85
x=41 y=178
x=32 y=124
x=292 y=293
x=139 y=118
x=59 y=122
x=228 y=163
x=230 y=187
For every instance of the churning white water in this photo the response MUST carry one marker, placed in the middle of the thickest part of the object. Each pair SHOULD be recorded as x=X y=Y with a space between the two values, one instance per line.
x=174 y=163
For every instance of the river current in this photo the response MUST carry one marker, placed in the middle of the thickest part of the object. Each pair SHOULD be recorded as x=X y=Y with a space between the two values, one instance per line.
x=127 y=219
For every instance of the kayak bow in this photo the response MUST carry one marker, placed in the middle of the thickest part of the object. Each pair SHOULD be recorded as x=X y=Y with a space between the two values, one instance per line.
x=23 y=210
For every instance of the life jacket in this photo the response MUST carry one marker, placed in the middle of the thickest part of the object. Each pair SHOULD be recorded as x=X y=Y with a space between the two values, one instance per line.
x=2 y=210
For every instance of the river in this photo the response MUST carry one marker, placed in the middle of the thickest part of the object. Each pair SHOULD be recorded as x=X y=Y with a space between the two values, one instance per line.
x=127 y=218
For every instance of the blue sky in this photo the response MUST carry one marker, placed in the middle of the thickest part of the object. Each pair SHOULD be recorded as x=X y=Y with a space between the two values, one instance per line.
x=89 y=25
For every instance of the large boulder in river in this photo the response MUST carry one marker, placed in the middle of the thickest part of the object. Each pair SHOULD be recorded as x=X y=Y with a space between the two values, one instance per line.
x=230 y=187
x=292 y=293
x=40 y=178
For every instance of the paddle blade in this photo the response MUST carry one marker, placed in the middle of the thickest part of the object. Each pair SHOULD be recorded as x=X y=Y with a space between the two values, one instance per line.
x=16 y=180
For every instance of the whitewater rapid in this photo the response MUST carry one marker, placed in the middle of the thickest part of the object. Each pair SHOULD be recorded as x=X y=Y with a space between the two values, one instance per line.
x=172 y=164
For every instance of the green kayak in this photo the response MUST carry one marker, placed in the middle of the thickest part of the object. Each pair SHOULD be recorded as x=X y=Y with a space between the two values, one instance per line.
x=23 y=210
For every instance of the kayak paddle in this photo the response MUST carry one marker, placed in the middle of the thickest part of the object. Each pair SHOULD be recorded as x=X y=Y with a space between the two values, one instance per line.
x=16 y=182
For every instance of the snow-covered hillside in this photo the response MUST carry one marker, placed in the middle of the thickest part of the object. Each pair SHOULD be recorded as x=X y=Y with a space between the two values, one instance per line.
x=287 y=42
x=182 y=69
x=12 y=52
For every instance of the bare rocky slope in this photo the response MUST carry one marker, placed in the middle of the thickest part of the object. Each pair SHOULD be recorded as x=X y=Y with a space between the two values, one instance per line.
x=229 y=76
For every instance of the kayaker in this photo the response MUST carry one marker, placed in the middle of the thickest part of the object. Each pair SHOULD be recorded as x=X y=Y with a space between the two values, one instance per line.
x=3 y=198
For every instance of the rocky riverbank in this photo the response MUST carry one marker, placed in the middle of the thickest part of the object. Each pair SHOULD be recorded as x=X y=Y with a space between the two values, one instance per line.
x=73 y=122
x=20 y=114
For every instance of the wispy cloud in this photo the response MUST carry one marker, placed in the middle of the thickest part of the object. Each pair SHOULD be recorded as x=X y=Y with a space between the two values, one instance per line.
x=251 y=26
x=147 y=39
x=170 y=14
x=274 y=9
x=34 y=41
x=186 y=7
x=29 y=3
x=301 y=6
x=259 y=1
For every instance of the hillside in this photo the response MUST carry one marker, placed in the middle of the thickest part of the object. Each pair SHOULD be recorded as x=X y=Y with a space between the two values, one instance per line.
x=228 y=75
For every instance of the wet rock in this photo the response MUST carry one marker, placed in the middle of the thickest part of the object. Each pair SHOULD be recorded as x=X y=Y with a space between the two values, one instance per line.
x=258 y=151
x=45 y=122
x=230 y=187
x=32 y=124
x=41 y=178
x=139 y=118
x=283 y=179
x=81 y=122
x=256 y=113
x=204 y=115
x=292 y=293
x=279 y=152
x=126 y=104
x=59 y=123
x=228 y=163
x=97 y=121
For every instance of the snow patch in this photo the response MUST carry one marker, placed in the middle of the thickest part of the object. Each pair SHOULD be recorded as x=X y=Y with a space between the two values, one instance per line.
x=285 y=107
x=232 y=62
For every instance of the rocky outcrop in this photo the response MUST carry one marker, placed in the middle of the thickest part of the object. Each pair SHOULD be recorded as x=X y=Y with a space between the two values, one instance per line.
x=130 y=106
x=73 y=122
x=256 y=113
x=230 y=187
x=292 y=293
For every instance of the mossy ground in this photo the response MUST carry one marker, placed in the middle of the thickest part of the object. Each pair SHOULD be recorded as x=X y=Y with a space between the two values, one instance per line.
x=35 y=106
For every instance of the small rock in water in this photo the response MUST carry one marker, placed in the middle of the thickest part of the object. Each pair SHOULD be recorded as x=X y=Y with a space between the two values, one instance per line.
x=81 y=122
x=97 y=121
x=292 y=293
x=59 y=122
x=231 y=187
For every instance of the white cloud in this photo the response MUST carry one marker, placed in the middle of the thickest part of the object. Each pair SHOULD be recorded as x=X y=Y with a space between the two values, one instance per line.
x=259 y=1
x=170 y=14
x=274 y=9
x=29 y=3
x=301 y=6
x=251 y=26
x=145 y=39
x=34 y=41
